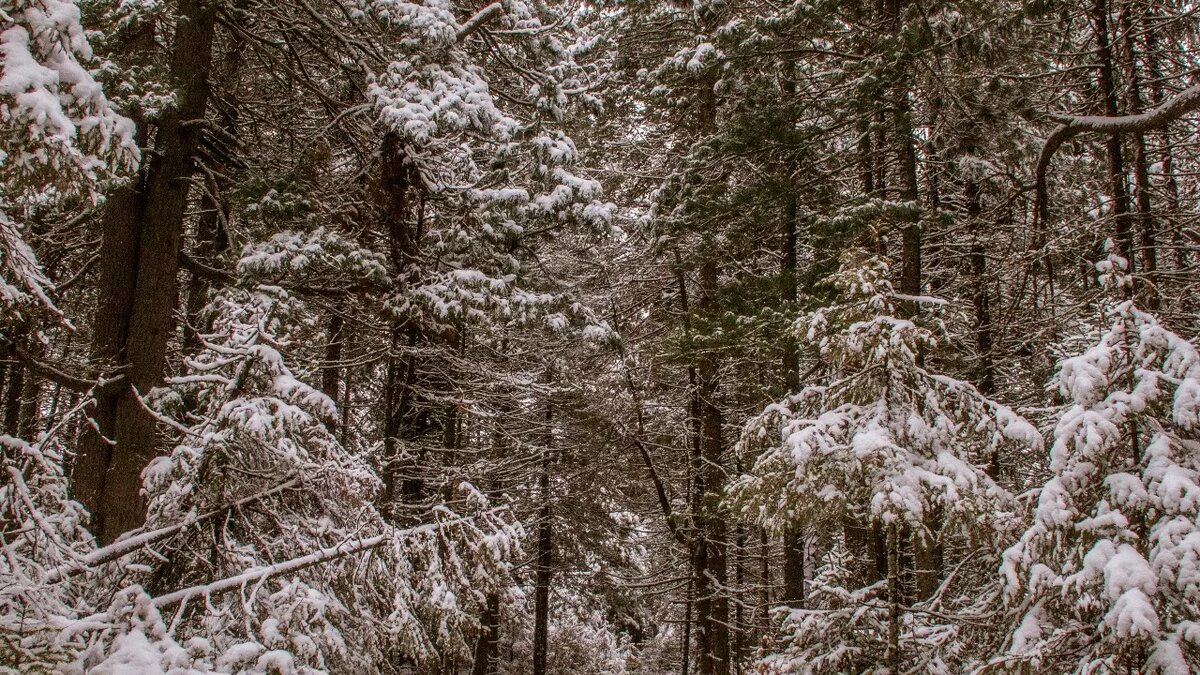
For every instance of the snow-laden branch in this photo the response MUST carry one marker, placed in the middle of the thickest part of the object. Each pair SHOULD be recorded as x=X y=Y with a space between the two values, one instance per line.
x=481 y=17
x=261 y=573
x=1172 y=109
x=296 y=564
x=124 y=547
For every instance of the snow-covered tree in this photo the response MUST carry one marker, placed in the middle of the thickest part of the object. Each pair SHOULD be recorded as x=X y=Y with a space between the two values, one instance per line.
x=885 y=453
x=1107 y=576
x=59 y=136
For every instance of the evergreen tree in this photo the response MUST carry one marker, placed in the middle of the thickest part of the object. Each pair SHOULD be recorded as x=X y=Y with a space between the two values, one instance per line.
x=1104 y=577
x=890 y=451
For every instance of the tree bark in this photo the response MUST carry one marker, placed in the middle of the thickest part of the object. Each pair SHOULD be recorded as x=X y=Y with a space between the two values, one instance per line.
x=1141 y=170
x=139 y=287
x=331 y=370
x=712 y=606
x=895 y=595
x=793 y=541
x=794 y=591
x=486 y=646
x=545 y=557
x=1116 y=163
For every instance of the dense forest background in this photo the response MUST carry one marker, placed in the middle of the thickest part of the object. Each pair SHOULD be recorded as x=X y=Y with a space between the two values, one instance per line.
x=545 y=337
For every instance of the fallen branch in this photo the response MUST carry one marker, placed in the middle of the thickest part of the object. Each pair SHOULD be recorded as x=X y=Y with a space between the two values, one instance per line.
x=263 y=573
x=124 y=547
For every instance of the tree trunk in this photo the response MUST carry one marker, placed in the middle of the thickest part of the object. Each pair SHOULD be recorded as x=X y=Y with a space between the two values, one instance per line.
x=895 y=594
x=331 y=370
x=1141 y=171
x=545 y=553
x=139 y=286
x=487 y=645
x=396 y=181
x=1116 y=163
x=713 y=602
x=31 y=396
x=212 y=237
x=794 y=591
x=686 y=640
x=12 y=399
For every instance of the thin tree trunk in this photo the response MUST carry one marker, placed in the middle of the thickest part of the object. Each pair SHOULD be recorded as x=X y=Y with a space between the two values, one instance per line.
x=1116 y=163
x=331 y=370
x=1141 y=171
x=545 y=553
x=986 y=369
x=686 y=640
x=487 y=645
x=12 y=399
x=31 y=397
x=895 y=593
x=212 y=239
x=395 y=184
x=712 y=566
x=793 y=542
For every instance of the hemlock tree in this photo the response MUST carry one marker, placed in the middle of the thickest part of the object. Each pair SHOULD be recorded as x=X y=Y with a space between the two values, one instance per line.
x=1107 y=578
x=889 y=452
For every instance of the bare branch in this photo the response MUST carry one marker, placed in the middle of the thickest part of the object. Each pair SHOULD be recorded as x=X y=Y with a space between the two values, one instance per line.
x=1172 y=109
x=53 y=373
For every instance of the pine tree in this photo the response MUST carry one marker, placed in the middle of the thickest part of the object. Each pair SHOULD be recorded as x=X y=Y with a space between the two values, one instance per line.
x=891 y=451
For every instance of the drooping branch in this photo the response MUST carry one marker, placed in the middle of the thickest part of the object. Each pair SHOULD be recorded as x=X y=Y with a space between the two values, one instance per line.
x=1172 y=109
x=225 y=278
x=101 y=385
x=664 y=501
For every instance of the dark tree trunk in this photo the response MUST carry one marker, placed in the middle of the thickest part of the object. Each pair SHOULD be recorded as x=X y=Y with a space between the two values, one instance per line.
x=395 y=188
x=794 y=591
x=12 y=399
x=1141 y=171
x=545 y=554
x=910 y=272
x=712 y=606
x=793 y=541
x=1116 y=164
x=986 y=377
x=331 y=370
x=31 y=396
x=212 y=237
x=486 y=646
x=139 y=288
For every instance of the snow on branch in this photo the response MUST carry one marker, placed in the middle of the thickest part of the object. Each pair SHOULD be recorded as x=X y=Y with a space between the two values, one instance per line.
x=261 y=573
x=1172 y=109
x=297 y=564
x=481 y=17
x=124 y=547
